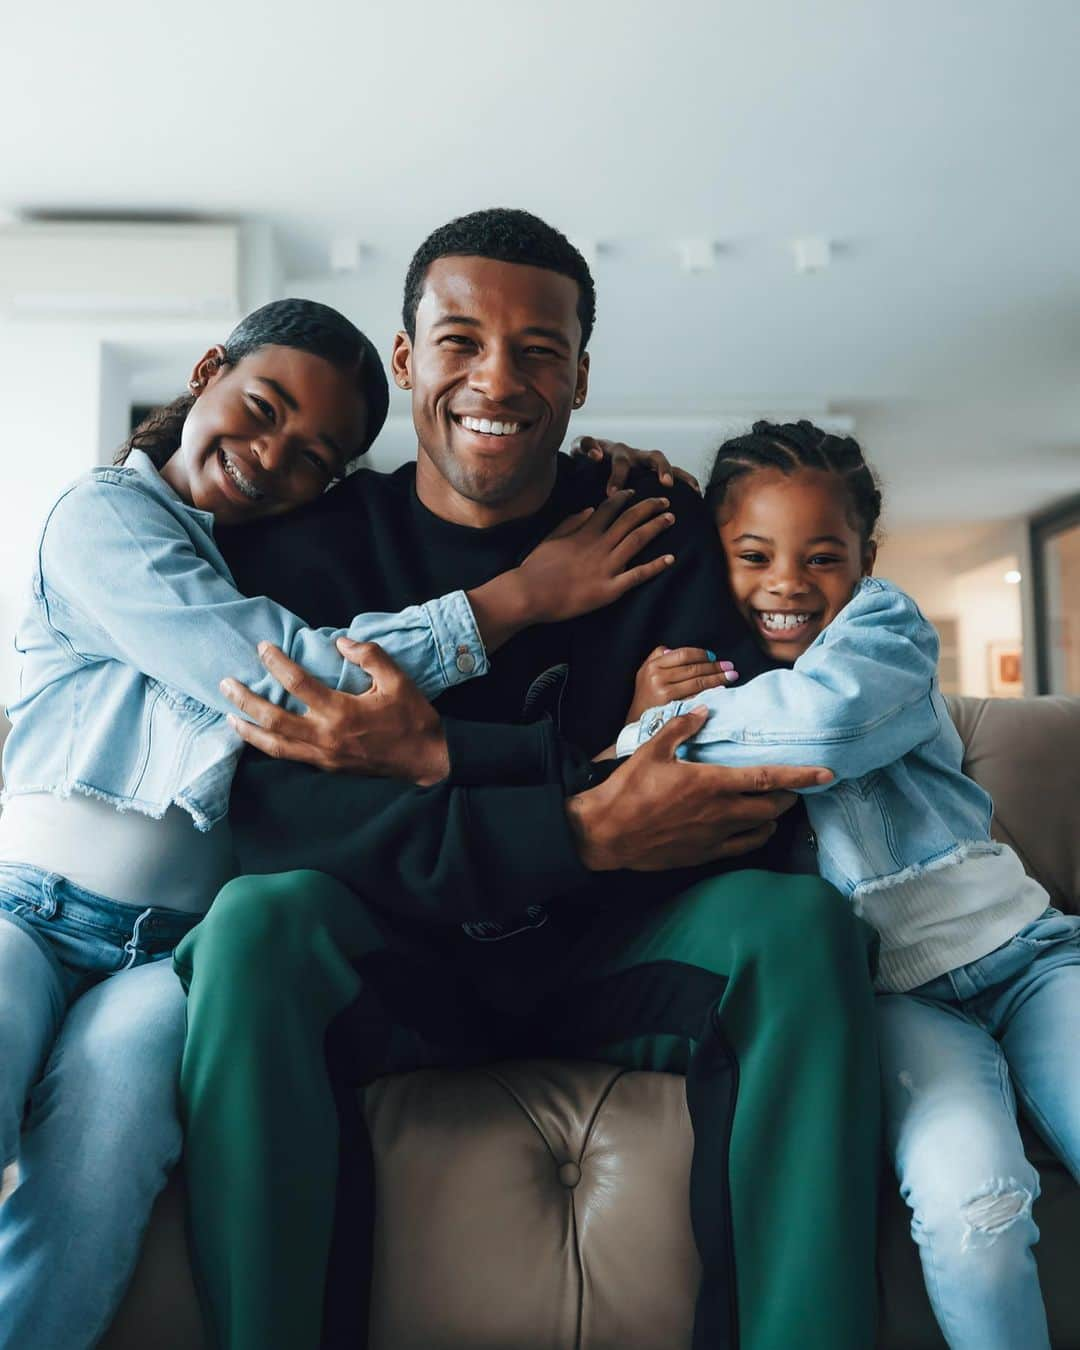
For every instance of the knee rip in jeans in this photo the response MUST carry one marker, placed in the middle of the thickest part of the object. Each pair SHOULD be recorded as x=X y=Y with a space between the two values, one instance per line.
x=994 y=1212
x=9 y=1179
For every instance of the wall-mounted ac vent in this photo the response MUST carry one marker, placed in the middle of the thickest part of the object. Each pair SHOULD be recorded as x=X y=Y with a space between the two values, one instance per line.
x=76 y=268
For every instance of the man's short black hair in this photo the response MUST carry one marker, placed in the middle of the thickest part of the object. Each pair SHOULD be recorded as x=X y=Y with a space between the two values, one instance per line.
x=509 y=236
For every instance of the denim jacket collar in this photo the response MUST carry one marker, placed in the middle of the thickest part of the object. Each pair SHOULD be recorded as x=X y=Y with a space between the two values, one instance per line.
x=141 y=463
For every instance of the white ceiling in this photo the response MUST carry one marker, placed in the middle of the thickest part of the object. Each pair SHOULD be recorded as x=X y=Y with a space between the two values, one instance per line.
x=934 y=141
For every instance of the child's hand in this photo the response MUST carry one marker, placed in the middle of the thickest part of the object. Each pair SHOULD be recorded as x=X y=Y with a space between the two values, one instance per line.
x=625 y=457
x=667 y=675
x=584 y=564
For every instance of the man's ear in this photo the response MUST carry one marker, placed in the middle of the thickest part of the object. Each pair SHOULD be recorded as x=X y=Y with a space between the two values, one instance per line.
x=869 y=558
x=581 y=386
x=401 y=361
x=209 y=367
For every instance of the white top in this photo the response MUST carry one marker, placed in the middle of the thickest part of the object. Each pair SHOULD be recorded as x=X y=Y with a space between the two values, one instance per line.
x=943 y=917
x=120 y=855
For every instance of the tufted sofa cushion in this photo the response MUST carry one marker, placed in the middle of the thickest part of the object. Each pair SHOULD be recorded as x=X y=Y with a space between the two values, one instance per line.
x=564 y=1214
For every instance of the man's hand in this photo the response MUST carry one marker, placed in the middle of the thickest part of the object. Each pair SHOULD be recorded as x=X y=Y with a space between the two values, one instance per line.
x=657 y=812
x=390 y=731
x=585 y=563
x=685 y=672
x=625 y=458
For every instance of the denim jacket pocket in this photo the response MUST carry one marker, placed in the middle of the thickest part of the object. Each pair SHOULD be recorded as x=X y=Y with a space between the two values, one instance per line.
x=866 y=820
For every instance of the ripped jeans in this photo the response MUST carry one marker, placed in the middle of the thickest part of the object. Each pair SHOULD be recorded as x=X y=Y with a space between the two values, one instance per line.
x=956 y=1054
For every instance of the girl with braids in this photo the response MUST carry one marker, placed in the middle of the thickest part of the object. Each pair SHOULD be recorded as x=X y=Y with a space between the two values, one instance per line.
x=118 y=768
x=978 y=977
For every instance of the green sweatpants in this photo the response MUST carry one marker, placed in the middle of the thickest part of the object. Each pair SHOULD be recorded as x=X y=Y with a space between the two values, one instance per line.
x=753 y=984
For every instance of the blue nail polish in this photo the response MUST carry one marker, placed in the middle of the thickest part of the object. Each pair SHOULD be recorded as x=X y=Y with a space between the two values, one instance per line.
x=710 y=655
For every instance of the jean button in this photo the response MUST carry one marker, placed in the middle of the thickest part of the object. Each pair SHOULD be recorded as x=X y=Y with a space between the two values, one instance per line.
x=465 y=662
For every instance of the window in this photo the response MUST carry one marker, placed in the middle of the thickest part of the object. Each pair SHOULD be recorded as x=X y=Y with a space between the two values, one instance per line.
x=1055 y=556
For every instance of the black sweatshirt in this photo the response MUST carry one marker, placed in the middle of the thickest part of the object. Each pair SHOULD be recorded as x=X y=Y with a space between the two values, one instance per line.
x=492 y=840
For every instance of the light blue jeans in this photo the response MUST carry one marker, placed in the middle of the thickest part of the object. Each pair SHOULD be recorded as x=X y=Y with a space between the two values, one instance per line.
x=955 y=1055
x=89 y=1071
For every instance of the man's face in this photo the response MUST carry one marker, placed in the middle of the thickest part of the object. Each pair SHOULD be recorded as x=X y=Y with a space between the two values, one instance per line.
x=495 y=370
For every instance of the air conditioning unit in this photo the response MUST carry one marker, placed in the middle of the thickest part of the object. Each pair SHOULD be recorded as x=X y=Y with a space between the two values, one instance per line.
x=112 y=268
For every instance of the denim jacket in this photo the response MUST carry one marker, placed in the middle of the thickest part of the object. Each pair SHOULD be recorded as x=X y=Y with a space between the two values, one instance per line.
x=132 y=622
x=862 y=700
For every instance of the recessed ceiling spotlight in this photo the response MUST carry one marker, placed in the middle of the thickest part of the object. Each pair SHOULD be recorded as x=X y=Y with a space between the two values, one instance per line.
x=346 y=252
x=697 y=255
x=591 y=248
x=813 y=253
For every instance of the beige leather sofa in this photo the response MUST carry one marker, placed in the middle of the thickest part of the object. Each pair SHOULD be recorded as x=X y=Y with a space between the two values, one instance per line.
x=535 y=1206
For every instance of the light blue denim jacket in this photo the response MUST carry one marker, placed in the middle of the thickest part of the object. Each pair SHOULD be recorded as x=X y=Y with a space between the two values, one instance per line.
x=862 y=700
x=134 y=619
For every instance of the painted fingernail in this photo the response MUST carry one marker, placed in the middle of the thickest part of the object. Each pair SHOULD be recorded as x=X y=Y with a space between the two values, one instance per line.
x=668 y=651
x=669 y=558
x=725 y=665
x=710 y=654
x=731 y=676
x=226 y=686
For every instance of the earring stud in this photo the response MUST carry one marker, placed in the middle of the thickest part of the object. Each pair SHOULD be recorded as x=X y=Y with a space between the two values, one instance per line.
x=194 y=384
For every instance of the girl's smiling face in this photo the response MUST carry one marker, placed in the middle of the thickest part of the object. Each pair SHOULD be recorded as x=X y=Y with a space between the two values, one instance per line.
x=265 y=435
x=795 y=554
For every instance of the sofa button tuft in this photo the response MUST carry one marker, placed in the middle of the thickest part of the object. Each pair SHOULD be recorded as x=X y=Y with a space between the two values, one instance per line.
x=570 y=1174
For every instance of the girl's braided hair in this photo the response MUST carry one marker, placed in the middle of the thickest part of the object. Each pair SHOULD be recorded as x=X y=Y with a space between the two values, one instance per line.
x=791 y=446
x=306 y=325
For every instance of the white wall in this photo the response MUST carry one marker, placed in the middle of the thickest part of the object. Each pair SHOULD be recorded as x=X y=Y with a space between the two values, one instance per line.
x=49 y=409
x=958 y=573
x=989 y=611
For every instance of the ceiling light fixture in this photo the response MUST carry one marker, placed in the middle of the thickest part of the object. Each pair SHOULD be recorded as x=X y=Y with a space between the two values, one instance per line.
x=813 y=253
x=697 y=255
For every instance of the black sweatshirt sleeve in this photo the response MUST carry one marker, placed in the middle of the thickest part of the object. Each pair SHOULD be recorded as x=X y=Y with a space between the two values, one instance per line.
x=496 y=753
x=444 y=854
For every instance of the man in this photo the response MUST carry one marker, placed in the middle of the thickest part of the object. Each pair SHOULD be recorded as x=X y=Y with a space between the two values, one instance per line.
x=517 y=902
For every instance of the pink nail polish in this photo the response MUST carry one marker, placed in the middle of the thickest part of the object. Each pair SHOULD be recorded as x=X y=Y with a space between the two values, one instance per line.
x=731 y=676
x=727 y=665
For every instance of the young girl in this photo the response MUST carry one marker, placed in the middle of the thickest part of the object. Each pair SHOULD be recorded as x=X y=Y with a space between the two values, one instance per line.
x=979 y=977
x=113 y=840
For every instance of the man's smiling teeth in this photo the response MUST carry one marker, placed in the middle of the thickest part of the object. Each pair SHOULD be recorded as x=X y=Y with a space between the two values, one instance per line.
x=482 y=424
x=781 y=620
x=246 y=486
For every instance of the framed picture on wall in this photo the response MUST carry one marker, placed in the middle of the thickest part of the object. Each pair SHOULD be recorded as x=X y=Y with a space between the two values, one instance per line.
x=1006 y=669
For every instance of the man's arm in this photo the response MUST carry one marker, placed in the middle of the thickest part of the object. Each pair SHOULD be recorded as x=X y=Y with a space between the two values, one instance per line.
x=451 y=854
